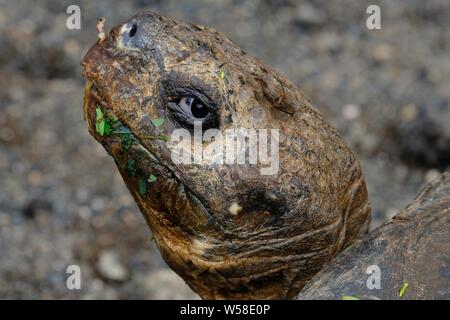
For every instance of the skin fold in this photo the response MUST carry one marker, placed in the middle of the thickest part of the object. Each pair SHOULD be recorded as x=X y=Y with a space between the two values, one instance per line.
x=227 y=230
x=411 y=251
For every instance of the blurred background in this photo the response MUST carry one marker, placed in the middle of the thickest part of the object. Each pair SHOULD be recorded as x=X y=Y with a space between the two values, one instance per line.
x=62 y=200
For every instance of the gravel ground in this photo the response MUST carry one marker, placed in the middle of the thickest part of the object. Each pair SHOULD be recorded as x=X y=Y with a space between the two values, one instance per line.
x=62 y=201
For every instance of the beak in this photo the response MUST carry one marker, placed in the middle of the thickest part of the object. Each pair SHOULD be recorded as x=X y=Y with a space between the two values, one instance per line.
x=91 y=62
x=96 y=69
x=99 y=54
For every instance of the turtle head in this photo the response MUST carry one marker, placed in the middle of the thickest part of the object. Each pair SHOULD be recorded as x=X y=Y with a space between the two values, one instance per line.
x=247 y=190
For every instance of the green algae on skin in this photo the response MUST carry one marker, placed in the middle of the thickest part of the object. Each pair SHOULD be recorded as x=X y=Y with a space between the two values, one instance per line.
x=402 y=290
x=142 y=184
x=157 y=122
x=107 y=125
x=130 y=167
x=152 y=178
x=127 y=141
x=127 y=137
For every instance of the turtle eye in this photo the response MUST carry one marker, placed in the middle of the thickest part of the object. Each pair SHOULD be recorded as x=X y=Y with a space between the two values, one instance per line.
x=189 y=106
x=132 y=30
x=193 y=107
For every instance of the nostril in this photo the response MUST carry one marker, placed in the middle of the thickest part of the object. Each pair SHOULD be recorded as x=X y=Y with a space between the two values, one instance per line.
x=130 y=37
x=133 y=30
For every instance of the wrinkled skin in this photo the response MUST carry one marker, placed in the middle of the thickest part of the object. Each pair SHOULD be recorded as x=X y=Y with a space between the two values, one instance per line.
x=288 y=224
x=413 y=248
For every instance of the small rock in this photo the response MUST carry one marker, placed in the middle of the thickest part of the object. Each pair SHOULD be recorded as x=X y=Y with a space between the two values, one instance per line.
x=383 y=52
x=409 y=112
x=351 y=112
x=98 y=204
x=110 y=267
x=85 y=212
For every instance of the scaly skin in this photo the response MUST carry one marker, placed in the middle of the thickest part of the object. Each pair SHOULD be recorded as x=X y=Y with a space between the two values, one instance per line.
x=289 y=224
x=412 y=248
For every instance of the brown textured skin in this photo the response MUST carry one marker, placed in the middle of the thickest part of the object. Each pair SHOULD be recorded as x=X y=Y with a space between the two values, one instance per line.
x=290 y=224
x=413 y=247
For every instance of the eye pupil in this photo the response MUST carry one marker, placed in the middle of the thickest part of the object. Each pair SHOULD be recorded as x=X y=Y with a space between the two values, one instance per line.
x=133 y=30
x=199 y=111
x=193 y=107
x=186 y=110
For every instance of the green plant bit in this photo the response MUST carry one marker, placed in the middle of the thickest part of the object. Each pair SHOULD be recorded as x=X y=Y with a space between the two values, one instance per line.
x=119 y=128
x=349 y=298
x=130 y=167
x=152 y=178
x=142 y=186
x=126 y=137
x=402 y=290
x=112 y=120
x=127 y=141
x=102 y=127
x=222 y=74
x=157 y=122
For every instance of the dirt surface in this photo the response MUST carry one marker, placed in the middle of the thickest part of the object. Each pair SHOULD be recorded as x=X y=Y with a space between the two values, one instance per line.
x=62 y=201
